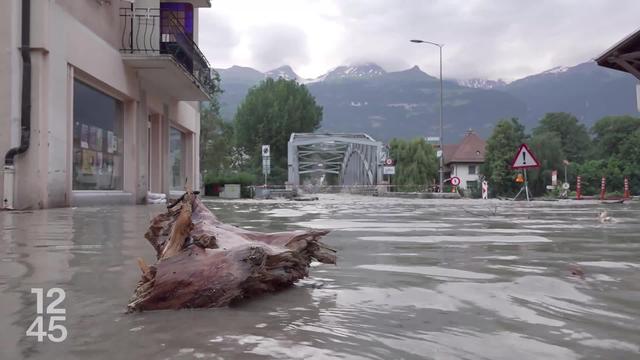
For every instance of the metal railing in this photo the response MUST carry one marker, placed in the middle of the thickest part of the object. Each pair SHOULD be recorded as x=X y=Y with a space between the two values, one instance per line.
x=149 y=31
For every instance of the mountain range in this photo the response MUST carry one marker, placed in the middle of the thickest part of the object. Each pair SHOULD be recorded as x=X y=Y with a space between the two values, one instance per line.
x=405 y=104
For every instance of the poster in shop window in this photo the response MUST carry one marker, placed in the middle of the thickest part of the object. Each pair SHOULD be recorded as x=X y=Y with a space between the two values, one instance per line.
x=93 y=134
x=110 y=142
x=99 y=139
x=84 y=136
x=99 y=162
x=88 y=159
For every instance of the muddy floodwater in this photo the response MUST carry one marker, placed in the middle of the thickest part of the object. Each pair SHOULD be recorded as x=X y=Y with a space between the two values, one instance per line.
x=415 y=279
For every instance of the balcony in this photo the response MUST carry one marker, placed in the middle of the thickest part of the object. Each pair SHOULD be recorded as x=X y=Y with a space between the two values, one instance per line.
x=155 y=43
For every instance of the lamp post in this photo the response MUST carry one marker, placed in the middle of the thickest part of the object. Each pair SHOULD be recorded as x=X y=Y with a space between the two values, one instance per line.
x=441 y=106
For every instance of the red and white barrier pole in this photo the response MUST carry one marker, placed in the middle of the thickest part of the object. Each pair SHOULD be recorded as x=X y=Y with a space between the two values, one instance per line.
x=579 y=188
x=603 y=187
x=627 y=192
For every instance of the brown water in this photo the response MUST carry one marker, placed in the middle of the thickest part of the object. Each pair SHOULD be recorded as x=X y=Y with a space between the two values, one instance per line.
x=416 y=279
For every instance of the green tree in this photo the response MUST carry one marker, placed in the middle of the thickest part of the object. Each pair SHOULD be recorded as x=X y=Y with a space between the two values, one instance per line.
x=630 y=157
x=616 y=155
x=216 y=140
x=574 y=138
x=611 y=132
x=416 y=164
x=501 y=148
x=548 y=150
x=269 y=114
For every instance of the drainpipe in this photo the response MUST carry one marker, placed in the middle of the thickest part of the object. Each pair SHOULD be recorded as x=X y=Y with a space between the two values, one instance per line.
x=25 y=124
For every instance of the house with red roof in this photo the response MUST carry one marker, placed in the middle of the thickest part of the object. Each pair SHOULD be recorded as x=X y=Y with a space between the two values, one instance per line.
x=464 y=159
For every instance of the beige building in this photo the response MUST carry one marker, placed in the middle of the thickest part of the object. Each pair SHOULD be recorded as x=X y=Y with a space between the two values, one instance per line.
x=99 y=100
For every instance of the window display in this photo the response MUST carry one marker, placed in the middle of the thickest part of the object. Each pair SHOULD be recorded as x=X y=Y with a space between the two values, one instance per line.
x=97 y=139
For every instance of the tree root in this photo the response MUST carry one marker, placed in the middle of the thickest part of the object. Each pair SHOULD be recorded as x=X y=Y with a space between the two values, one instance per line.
x=203 y=263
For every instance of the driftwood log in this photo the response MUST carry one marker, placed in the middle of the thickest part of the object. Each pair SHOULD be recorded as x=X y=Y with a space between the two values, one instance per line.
x=202 y=262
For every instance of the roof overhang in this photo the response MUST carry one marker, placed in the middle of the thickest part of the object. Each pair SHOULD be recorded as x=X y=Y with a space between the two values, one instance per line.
x=623 y=56
x=167 y=76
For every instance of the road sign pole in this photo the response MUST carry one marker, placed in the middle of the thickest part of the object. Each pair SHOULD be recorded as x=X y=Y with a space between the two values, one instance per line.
x=526 y=184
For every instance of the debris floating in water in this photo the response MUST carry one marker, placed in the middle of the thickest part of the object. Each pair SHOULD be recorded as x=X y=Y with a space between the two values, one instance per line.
x=203 y=263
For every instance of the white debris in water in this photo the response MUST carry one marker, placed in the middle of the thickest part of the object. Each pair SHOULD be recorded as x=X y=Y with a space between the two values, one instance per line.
x=186 y=350
x=216 y=339
x=138 y=328
x=261 y=325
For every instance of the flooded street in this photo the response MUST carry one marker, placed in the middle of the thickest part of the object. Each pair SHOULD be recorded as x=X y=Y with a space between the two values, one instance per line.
x=415 y=279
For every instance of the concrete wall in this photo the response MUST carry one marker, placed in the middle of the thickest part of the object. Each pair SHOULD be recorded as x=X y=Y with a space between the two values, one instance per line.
x=80 y=40
x=99 y=19
x=10 y=79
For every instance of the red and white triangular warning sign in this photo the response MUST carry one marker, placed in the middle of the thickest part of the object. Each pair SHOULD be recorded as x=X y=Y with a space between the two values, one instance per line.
x=525 y=159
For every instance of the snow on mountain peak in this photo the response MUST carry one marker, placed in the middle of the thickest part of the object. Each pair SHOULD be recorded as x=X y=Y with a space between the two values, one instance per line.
x=482 y=83
x=284 y=72
x=556 y=70
x=359 y=71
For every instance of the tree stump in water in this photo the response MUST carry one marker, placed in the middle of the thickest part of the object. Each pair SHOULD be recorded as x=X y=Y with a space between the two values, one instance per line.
x=202 y=262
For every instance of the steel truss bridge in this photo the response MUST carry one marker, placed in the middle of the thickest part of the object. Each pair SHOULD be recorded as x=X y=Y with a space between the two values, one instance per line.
x=356 y=159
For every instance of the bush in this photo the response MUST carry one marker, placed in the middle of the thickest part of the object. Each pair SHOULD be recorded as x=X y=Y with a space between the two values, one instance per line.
x=241 y=178
x=213 y=182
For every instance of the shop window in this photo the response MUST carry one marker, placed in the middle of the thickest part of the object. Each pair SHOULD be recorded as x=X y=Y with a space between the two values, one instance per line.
x=97 y=139
x=176 y=159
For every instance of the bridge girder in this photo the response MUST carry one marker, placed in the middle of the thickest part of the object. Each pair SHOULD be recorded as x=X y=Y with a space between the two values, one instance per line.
x=355 y=158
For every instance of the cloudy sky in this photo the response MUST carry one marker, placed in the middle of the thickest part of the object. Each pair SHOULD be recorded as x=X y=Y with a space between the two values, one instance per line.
x=493 y=39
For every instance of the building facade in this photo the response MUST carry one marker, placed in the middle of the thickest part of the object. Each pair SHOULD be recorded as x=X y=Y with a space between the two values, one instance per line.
x=465 y=159
x=99 y=100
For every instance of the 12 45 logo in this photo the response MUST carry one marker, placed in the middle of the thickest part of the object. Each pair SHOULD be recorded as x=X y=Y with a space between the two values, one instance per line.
x=55 y=331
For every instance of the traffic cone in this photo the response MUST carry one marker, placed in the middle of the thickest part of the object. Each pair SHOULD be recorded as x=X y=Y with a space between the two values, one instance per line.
x=603 y=187
x=627 y=192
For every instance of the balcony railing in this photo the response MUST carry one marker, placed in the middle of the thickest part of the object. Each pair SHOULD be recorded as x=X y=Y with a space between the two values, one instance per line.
x=155 y=32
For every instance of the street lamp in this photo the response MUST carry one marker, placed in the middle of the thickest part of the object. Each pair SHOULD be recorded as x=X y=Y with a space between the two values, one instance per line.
x=441 y=105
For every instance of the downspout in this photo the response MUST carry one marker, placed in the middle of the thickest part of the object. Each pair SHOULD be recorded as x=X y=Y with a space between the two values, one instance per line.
x=25 y=124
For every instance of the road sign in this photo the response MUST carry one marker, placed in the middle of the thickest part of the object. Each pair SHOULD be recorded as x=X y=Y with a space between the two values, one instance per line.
x=388 y=162
x=455 y=181
x=525 y=159
x=554 y=178
x=389 y=170
x=566 y=186
x=266 y=150
x=433 y=139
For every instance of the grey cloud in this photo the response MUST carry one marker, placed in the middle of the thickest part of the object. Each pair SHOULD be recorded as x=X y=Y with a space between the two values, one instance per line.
x=484 y=38
x=497 y=38
x=277 y=45
x=217 y=36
